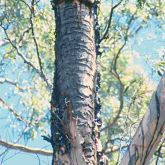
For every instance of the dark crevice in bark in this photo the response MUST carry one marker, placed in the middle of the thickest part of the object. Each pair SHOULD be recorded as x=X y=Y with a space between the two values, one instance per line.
x=143 y=138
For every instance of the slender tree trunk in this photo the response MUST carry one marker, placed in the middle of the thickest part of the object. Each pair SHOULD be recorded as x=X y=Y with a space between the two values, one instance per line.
x=72 y=111
x=150 y=130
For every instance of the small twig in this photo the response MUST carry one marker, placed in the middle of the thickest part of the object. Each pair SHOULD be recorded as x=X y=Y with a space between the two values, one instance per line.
x=5 y=80
x=110 y=21
x=23 y=34
x=18 y=117
x=159 y=152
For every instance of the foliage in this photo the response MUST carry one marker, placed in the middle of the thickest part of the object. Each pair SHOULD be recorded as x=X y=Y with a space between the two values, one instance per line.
x=126 y=87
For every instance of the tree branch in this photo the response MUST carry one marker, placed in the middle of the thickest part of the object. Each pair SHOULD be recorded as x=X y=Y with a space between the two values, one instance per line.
x=150 y=130
x=34 y=38
x=5 y=80
x=18 y=117
x=110 y=21
x=31 y=8
x=25 y=149
x=125 y=42
x=115 y=73
x=14 y=83
x=24 y=59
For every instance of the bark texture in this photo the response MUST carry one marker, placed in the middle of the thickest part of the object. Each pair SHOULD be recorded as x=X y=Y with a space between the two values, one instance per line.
x=72 y=122
x=150 y=130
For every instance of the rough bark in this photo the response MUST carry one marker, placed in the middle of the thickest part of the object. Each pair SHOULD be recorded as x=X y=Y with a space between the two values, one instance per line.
x=150 y=130
x=72 y=112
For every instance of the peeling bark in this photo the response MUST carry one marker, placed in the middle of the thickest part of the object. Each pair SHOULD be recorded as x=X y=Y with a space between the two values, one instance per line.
x=150 y=130
x=72 y=111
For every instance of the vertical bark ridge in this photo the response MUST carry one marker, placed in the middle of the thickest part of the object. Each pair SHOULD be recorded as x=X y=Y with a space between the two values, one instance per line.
x=74 y=85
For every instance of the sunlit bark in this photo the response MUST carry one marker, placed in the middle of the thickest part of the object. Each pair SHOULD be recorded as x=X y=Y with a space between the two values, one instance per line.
x=150 y=130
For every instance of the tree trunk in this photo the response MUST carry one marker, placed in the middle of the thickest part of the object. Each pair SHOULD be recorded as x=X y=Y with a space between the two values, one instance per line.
x=149 y=132
x=72 y=111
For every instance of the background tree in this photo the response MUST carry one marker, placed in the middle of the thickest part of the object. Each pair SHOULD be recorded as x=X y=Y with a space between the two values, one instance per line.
x=27 y=50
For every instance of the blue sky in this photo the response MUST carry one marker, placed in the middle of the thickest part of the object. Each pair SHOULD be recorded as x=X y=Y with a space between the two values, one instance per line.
x=149 y=44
